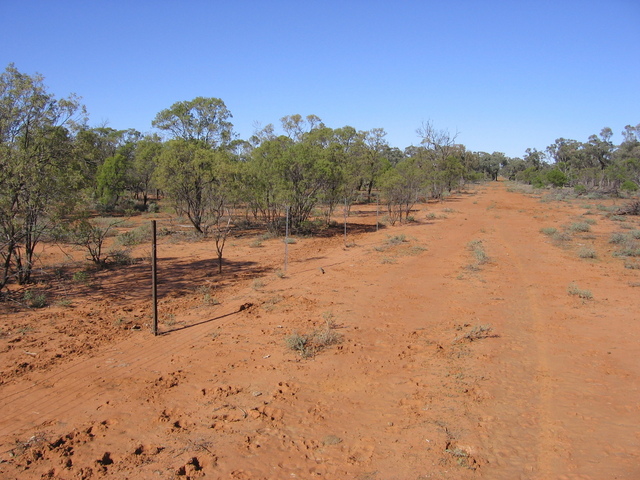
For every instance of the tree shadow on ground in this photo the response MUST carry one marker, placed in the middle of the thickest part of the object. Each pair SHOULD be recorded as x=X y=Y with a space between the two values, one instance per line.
x=175 y=276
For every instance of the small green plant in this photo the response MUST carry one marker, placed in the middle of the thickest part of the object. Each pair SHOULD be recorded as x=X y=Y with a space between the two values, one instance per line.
x=307 y=345
x=300 y=344
x=561 y=237
x=35 y=299
x=81 y=276
x=257 y=284
x=120 y=256
x=477 y=248
x=416 y=250
x=153 y=207
x=257 y=243
x=629 y=249
x=280 y=273
x=388 y=260
x=587 y=252
x=135 y=236
x=629 y=186
x=396 y=239
x=617 y=238
x=548 y=230
x=573 y=289
x=580 y=227
x=290 y=240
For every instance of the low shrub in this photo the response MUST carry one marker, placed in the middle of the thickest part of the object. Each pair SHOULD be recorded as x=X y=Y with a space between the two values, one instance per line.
x=580 y=227
x=308 y=345
x=35 y=299
x=573 y=289
x=587 y=252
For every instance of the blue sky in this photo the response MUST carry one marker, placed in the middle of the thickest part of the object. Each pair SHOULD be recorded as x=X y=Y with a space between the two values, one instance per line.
x=504 y=75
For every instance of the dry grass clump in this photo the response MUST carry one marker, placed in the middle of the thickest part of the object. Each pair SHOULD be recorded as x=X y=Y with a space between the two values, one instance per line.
x=578 y=292
x=308 y=345
x=587 y=252
x=476 y=333
x=580 y=227
x=477 y=248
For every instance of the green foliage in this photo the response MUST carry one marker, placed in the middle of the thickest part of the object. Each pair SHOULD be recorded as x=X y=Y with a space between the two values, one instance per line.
x=90 y=236
x=202 y=119
x=35 y=299
x=556 y=178
x=629 y=186
x=40 y=171
x=580 y=189
x=580 y=227
x=308 y=345
x=111 y=180
x=135 y=236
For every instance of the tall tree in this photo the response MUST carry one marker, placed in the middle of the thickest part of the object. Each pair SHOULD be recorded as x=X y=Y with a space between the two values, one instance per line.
x=39 y=172
x=201 y=119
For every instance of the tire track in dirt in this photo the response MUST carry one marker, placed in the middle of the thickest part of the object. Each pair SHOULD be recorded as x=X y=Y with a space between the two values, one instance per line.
x=527 y=373
x=546 y=383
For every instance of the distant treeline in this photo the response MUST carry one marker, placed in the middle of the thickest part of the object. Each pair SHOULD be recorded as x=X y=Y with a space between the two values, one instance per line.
x=55 y=170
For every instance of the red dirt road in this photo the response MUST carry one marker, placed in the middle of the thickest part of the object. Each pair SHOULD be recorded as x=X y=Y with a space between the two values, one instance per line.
x=453 y=364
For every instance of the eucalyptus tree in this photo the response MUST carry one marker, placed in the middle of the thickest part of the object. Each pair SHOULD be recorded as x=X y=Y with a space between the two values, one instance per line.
x=142 y=167
x=401 y=187
x=40 y=174
x=194 y=177
x=373 y=159
x=203 y=119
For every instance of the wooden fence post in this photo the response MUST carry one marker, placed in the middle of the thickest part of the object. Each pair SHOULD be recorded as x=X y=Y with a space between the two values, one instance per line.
x=154 y=278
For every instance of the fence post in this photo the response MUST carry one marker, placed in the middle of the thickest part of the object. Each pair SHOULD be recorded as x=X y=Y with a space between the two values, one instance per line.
x=377 y=209
x=286 y=242
x=345 y=220
x=154 y=278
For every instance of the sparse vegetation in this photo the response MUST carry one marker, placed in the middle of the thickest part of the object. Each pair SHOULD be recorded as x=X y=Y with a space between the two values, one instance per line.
x=587 y=252
x=573 y=289
x=476 y=333
x=477 y=248
x=396 y=239
x=580 y=227
x=34 y=299
x=308 y=345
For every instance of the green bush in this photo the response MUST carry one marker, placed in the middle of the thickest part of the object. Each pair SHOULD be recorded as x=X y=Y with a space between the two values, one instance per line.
x=580 y=189
x=629 y=186
x=556 y=178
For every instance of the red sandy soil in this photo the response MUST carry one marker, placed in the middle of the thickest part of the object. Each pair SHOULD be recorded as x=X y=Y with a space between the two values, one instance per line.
x=448 y=367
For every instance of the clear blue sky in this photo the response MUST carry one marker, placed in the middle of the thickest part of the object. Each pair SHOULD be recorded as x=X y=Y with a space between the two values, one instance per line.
x=506 y=75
